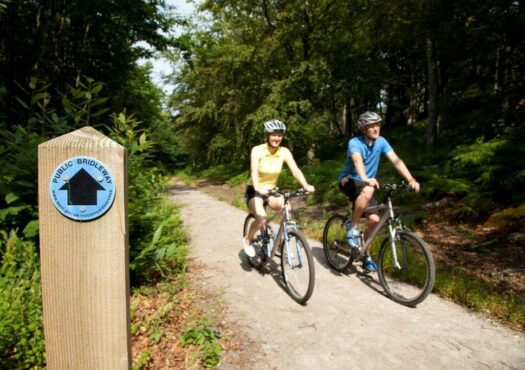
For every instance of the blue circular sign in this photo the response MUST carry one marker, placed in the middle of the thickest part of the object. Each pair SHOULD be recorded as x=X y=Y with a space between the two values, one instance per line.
x=82 y=188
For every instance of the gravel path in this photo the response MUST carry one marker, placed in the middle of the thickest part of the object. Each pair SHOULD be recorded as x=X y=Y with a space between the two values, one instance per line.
x=348 y=322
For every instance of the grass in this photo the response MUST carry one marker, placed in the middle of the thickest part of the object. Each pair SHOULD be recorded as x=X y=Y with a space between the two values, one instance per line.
x=185 y=177
x=163 y=316
x=480 y=296
x=202 y=335
x=239 y=202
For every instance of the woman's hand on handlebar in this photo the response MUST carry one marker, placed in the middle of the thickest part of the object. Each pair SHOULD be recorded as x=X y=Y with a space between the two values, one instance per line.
x=309 y=188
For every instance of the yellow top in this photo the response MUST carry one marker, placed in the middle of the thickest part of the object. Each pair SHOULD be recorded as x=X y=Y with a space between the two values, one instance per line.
x=269 y=165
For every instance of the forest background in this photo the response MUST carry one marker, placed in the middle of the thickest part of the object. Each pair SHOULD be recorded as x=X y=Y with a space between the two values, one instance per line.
x=448 y=78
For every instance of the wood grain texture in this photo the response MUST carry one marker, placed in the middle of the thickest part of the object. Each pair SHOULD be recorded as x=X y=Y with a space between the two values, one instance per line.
x=85 y=279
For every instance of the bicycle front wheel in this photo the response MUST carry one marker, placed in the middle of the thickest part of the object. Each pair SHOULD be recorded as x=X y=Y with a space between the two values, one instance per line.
x=298 y=267
x=336 y=250
x=412 y=280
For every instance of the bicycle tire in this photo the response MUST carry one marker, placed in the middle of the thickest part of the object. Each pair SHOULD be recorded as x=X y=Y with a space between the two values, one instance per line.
x=299 y=286
x=411 y=284
x=336 y=250
x=257 y=261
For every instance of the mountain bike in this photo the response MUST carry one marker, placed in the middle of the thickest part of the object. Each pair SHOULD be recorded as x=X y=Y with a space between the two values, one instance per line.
x=296 y=257
x=406 y=268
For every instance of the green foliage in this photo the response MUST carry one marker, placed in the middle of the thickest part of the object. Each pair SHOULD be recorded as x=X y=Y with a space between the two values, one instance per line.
x=143 y=359
x=21 y=332
x=239 y=201
x=18 y=171
x=79 y=106
x=280 y=59
x=508 y=219
x=206 y=339
x=142 y=97
x=3 y=5
x=475 y=293
x=18 y=161
x=476 y=161
x=323 y=176
x=233 y=174
x=160 y=251
x=492 y=167
x=61 y=42
x=157 y=239
x=21 y=337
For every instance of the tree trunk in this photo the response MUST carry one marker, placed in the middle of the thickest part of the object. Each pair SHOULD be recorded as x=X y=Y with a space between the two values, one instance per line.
x=347 y=117
x=432 y=93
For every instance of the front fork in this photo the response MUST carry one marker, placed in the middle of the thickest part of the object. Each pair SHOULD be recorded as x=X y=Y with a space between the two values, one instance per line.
x=393 y=237
x=291 y=226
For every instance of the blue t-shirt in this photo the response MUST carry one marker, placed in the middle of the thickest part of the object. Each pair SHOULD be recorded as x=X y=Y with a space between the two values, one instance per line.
x=370 y=154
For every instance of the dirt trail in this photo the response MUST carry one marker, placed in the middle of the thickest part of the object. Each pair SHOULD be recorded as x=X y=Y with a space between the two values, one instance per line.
x=348 y=322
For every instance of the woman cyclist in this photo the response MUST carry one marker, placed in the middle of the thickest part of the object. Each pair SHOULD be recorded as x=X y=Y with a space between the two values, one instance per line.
x=266 y=162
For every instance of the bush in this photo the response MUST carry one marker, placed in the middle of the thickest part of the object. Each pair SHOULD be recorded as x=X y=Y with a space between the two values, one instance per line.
x=156 y=236
x=157 y=240
x=21 y=331
x=508 y=219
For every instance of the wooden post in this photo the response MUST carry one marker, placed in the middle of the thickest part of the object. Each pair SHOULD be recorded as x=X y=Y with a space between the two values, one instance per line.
x=84 y=261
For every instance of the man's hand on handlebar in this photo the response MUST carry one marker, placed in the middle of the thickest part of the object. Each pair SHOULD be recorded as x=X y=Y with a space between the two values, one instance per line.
x=414 y=185
x=373 y=182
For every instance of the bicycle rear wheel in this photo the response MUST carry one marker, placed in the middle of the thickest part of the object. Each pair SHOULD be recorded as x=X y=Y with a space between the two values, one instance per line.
x=298 y=267
x=257 y=261
x=336 y=250
x=412 y=281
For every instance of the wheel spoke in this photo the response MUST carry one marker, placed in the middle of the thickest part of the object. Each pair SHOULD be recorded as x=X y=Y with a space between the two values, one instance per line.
x=412 y=281
x=335 y=248
x=297 y=267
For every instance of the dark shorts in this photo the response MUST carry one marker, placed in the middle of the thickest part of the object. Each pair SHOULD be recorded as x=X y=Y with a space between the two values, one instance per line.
x=353 y=188
x=251 y=193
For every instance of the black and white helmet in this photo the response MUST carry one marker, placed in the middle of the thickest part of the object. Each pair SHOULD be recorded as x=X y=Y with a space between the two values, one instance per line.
x=274 y=125
x=368 y=118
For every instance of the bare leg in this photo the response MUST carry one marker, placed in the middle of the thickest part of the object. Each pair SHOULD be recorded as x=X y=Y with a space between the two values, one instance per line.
x=256 y=207
x=276 y=203
x=373 y=220
x=361 y=203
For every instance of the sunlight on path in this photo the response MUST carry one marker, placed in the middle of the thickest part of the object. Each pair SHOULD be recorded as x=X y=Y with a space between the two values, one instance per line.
x=348 y=322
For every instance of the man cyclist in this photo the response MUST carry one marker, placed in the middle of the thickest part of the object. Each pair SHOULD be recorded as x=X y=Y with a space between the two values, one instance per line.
x=266 y=161
x=358 y=180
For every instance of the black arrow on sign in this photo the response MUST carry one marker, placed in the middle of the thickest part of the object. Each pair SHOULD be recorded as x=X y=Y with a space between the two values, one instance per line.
x=82 y=189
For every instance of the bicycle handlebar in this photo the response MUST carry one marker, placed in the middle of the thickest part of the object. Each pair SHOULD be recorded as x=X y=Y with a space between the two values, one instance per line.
x=287 y=194
x=394 y=187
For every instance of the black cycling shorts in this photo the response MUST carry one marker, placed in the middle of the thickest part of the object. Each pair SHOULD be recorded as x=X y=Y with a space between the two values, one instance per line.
x=251 y=193
x=353 y=188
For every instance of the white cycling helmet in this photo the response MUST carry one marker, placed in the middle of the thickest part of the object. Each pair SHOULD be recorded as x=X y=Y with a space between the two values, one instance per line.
x=274 y=125
x=368 y=118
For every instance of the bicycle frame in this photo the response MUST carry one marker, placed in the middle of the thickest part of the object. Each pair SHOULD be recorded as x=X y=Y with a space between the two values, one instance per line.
x=285 y=224
x=387 y=216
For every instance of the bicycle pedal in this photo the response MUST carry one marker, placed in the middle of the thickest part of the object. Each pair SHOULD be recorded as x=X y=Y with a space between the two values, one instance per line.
x=265 y=268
